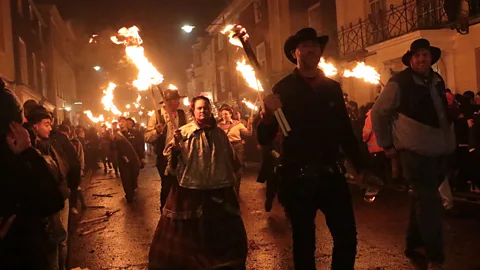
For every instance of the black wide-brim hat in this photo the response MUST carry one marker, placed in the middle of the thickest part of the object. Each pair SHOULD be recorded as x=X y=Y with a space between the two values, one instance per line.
x=170 y=94
x=421 y=44
x=303 y=35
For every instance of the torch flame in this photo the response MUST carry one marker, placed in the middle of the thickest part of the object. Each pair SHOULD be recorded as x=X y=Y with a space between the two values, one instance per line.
x=230 y=31
x=249 y=75
x=172 y=87
x=328 y=68
x=107 y=99
x=186 y=102
x=150 y=113
x=250 y=105
x=128 y=106
x=139 y=98
x=147 y=73
x=94 y=119
x=362 y=71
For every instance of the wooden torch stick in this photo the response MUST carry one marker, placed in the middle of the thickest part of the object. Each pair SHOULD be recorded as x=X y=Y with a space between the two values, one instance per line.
x=242 y=36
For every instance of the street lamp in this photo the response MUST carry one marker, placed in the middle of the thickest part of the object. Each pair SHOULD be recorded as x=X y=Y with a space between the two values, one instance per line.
x=97 y=68
x=188 y=28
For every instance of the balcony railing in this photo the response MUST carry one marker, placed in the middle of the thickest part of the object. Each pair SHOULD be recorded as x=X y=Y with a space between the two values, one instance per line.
x=410 y=16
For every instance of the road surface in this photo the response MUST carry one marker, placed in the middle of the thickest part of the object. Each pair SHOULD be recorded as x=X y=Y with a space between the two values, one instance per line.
x=381 y=225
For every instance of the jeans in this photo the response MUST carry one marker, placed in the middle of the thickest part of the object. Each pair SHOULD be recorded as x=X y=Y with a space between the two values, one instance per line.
x=329 y=194
x=425 y=229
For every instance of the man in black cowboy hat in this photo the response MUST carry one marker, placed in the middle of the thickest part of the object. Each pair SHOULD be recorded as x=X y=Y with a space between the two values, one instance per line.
x=158 y=133
x=410 y=119
x=312 y=177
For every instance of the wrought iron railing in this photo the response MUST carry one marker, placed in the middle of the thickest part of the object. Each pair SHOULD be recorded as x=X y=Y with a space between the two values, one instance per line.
x=410 y=16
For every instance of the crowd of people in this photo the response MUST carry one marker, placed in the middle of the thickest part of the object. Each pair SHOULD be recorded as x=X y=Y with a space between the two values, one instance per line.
x=406 y=138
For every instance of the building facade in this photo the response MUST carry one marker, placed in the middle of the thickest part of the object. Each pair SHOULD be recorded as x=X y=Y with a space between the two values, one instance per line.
x=59 y=50
x=379 y=32
x=7 y=68
x=28 y=39
x=269 y=23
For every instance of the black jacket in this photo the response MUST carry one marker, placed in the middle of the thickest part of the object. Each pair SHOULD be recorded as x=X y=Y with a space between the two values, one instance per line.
x=28 y=189
x=319 y=121
x=137 y=141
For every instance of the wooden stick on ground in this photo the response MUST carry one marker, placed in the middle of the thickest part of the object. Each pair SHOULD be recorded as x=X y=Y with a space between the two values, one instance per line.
x=93 y=230
x=104 y=217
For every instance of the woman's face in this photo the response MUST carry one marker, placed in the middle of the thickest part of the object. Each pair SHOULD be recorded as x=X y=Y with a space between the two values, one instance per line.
x=201 y=110
x=226 y=115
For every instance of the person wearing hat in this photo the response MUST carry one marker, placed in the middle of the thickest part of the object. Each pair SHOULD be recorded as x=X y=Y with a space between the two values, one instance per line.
x=312 y=173
x=411 y=120
x=136 y=139
x=127 y=158
x=235 y=130
x=158 y=133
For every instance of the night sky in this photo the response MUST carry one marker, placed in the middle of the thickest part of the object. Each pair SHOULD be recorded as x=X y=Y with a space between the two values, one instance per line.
x=159 y=22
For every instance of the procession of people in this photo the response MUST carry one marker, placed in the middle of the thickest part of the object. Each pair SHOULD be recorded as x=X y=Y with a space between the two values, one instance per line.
x=414 y=126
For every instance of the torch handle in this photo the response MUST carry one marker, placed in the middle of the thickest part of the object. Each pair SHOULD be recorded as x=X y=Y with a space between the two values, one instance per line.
x=281 y=119
x=154 y=101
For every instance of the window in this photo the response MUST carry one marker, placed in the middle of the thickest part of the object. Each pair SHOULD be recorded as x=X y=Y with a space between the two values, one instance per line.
x=257 y=10
x=261 y=54
x=35 y=71
x=43 y=74
x=428 y=12
x=222 y=81
x=378 y=20
x=22 y=51
x=20 y=7
x=221 y=41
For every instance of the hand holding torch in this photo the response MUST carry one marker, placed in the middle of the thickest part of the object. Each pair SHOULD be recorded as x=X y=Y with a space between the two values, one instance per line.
x=241 y=34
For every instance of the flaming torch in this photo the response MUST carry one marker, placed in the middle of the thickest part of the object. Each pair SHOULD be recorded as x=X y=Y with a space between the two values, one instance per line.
x=107 y=99
x=328 y=68
x=238 y=36
x=92 y=118
x=148 y=76
x=362 y=71
x=250 y=105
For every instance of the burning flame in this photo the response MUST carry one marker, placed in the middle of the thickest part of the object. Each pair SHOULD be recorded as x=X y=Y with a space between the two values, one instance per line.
x=328 y=68
x=172 y=87
x=92 y=39
x=107 y=124
x=107 y=99
x=147 y=73
x=249 y=75
x=230 y=31
x=250 y=105
x=150 y=113
x=128 y=106
x=94 y=119
x=140 y=113
x=362 y=71
x=186 y=102
x=139 y=98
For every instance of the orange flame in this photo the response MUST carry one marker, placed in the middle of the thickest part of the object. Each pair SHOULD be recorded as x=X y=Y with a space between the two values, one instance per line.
x=150 y=113
x=230 y=31
x=172 y=87
x=92 y=118
x=107 y=99
x=249 y=75
x=250 y=105
x=362 y=71
x=147 y=73
x=186 y=102
x=328 y=68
